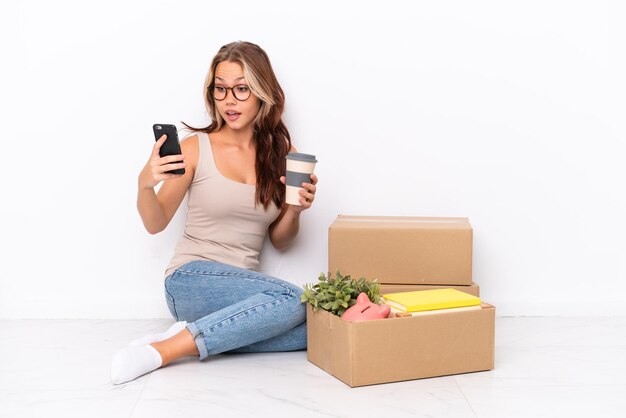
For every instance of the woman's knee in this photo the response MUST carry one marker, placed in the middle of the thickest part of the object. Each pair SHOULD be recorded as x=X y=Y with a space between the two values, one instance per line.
x=169 y=300
x=298 y=311
x=181 y=303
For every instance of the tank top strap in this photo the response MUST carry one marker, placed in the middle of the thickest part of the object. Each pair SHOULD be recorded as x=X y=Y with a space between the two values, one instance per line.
x=206 y=161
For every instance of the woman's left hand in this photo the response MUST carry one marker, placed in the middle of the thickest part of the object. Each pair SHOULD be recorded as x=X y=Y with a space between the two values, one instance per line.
x=307 y=196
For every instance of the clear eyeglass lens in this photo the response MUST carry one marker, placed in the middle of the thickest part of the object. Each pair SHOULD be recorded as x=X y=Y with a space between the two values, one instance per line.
x=241 y=92
x=219 y=92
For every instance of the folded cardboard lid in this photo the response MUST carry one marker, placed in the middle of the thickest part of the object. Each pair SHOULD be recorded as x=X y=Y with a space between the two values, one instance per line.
x=392 y=222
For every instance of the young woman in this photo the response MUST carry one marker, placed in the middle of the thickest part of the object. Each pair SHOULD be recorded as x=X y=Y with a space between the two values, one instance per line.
x=234 y=174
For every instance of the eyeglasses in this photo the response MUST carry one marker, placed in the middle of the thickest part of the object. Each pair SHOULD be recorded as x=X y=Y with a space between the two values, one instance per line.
x=240 y=91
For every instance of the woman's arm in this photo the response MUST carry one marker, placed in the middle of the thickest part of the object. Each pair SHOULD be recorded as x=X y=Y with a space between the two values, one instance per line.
x=286 y=226
x=157 y=210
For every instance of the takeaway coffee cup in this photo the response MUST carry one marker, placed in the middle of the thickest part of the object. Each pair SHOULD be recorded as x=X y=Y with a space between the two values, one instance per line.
x=299 y=169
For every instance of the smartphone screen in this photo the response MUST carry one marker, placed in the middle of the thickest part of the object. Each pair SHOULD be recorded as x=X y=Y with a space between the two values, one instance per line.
x=171 y=146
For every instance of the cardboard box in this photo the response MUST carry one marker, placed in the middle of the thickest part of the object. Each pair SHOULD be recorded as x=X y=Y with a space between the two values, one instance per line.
x=402 y=249
x=396 y=349
x=472 y=289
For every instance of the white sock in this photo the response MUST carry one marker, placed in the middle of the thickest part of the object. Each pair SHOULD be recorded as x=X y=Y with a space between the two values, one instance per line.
x=131 y=362
x=153 y=338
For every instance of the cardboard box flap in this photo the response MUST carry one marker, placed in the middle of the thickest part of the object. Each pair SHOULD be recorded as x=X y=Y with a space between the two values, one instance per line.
x=399 y=222
x=356 y=218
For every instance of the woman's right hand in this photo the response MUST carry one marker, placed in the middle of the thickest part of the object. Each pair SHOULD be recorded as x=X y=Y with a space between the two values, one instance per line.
x=155 y=169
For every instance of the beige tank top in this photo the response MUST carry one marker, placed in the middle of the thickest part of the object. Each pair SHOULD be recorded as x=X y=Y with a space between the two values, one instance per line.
x=223 y=223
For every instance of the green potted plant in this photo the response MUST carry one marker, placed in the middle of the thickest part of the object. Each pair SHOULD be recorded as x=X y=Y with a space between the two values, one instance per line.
x=338 y=294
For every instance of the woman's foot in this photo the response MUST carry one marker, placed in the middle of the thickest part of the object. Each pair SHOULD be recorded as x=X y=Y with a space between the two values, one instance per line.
x=131 y=362
x=152 y=338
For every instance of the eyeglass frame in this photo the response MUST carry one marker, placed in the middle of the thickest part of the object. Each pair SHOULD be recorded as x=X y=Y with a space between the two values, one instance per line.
x=232 y=89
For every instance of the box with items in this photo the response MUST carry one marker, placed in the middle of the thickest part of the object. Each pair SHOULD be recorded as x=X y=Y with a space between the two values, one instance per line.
x=413 y=313
x=363 y=342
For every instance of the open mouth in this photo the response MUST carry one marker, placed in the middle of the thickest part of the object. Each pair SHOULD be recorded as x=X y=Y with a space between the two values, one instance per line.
x=233 y=115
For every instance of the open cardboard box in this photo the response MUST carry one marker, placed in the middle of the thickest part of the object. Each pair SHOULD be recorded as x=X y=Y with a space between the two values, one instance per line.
x=396 y=349
x=402 y=249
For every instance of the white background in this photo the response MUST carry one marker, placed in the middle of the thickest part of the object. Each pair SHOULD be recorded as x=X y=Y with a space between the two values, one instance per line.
x=509 y=113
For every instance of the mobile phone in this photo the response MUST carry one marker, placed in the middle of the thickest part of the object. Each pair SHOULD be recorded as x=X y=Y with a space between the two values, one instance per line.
x=171 y=146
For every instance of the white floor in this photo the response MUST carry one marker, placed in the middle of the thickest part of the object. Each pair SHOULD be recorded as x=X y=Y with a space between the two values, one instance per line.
x=545 y=367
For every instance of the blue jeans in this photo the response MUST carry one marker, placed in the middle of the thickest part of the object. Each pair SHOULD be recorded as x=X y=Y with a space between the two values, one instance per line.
x=234 y=310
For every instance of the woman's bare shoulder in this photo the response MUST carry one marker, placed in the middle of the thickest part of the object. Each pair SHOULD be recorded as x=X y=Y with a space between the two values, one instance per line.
x=189 y=146
x=190 y=143
x=190 y=137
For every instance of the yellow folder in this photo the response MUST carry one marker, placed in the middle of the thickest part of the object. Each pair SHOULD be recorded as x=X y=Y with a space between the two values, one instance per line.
x=426 y=300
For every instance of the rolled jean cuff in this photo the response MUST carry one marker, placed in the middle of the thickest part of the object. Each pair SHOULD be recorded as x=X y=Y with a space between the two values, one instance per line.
x=197 y=338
